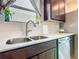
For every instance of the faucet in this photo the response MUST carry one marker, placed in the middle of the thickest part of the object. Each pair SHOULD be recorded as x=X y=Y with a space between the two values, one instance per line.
x=27 y=31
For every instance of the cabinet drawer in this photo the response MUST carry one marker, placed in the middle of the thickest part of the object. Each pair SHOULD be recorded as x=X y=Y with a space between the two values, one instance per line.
x=29 y=51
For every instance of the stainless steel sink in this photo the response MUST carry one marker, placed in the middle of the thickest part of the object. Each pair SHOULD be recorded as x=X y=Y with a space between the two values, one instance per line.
x=38 y=37
x=21 y=40
x=18 y=40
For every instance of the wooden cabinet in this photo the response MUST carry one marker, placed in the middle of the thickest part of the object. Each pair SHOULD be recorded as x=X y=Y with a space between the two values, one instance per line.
x=45 y=50
x=45 y=55
x=46 y=2
x=57 y=9
x=51 y=54
x=54 y=7
x=72 y=46
x=30 y=51
x=54 y=53
x=62 y=10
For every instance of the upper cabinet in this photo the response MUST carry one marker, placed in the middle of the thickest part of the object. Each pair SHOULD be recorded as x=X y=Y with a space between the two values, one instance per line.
x=46 y=2
x=54 y=9
x=57 y=10
x=62 y=10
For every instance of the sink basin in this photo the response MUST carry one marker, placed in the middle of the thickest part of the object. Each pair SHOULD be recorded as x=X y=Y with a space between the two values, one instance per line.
x=38 y=37
x=21 y=40
x=18 y=40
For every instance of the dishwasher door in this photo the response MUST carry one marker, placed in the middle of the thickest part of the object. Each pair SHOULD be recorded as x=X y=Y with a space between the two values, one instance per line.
x=64 y=48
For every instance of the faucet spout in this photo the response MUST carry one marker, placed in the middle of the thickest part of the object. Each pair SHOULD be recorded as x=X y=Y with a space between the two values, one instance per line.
x=27 y=31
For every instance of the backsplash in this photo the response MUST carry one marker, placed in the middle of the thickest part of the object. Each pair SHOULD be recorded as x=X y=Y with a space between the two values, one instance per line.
x=51 y=27
x=10 y=30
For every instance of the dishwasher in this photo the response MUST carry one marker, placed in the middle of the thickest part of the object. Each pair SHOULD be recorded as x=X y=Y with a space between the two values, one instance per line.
x=64 y=48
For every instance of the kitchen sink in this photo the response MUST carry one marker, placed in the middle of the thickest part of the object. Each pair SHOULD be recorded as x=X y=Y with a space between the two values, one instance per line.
x=18 y=40
x=21 y=40
x=38 y=37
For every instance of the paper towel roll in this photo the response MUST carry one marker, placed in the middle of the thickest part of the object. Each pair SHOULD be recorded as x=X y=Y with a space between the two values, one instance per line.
x=45 y=29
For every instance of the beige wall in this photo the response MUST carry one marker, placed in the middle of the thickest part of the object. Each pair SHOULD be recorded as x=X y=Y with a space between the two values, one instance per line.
x=71 y=25
x=17 y=29
x=10 y=30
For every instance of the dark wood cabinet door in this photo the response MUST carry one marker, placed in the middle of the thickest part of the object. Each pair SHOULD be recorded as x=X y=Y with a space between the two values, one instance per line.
x=72 y=45
x=13 y=55
x=27 y=52
x=54 y=9
x=62 y=10
x=51 y=54
x=46 y=2
x=57 y=10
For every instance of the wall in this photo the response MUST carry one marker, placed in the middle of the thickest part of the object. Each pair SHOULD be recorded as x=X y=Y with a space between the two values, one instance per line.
x=10 y=30
x=71 y=25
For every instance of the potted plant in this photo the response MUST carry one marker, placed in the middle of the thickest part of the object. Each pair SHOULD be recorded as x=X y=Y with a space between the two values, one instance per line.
x=7 y=14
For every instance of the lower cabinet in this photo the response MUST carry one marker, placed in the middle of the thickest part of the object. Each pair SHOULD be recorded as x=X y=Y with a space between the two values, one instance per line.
x=45 y=50
x=51 y=54
x=39 y=51
x=45 y=55
x=72 y=46
x=54 y=53
x=65 y=50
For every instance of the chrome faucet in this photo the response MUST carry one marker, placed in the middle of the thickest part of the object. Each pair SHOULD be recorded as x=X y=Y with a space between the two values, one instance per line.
x=27 y=31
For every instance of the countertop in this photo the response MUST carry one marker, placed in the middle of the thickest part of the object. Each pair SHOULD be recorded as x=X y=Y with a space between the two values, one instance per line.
x=5 y=47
